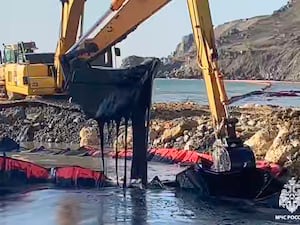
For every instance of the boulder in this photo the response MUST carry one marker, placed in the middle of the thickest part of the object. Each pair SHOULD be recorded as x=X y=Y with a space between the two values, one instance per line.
x=261 y=141
x=280 y=148
x=89 y=137
x=121 y=139
x=189 y=145
x=177 y=131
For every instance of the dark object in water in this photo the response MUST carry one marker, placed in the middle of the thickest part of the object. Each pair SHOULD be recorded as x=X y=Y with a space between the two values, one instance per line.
x=112 y=95
x=7 y=145
x=156 y=183
x=248 y=183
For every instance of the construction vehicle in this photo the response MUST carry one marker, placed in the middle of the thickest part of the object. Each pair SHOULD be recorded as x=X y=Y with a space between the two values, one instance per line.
x=234 y=163
x=23 y=72
x=26 y=73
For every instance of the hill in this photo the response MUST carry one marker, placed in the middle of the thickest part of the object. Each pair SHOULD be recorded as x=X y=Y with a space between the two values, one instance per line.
x=263 y=47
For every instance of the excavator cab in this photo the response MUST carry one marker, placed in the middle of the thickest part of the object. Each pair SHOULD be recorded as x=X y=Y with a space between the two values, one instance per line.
x=26 y=72
x=16 y=53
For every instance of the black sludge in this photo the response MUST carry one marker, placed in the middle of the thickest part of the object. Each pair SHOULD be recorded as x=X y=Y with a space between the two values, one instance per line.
x=116 y=95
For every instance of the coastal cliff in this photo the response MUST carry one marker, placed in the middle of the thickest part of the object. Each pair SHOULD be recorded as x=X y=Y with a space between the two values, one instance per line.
x=263 y=47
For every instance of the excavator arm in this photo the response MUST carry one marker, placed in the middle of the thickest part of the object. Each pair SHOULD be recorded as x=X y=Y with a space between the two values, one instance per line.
x=207 y=56
x=121 y=19
x=71 y=20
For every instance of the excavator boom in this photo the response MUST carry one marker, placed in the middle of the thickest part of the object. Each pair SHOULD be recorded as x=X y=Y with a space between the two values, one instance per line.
x=122 y=18
x=71 y=18
x=207 y=58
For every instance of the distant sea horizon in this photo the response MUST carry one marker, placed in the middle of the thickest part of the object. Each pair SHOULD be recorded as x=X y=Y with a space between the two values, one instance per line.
x=234 y=80
x=182 y=90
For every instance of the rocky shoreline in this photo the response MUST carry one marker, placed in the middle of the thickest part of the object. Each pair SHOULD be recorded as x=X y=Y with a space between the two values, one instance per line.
x=272 y=132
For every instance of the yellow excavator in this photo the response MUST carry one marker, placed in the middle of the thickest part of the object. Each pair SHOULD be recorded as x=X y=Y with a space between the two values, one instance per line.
x=23 y=72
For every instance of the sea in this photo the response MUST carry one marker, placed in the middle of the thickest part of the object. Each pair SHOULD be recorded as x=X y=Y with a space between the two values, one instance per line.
x=176 y=90
x=48 y=206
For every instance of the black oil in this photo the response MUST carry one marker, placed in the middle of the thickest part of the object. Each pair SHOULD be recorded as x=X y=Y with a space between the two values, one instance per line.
x=111 y=206
x=128 y=206
x=117 y=97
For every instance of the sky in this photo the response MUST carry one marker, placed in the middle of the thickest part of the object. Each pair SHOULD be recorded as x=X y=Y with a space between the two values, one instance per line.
x=36 y=20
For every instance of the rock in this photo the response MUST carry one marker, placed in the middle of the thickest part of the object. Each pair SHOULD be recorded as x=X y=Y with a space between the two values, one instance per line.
x=50 y=140
x=189 y=145
x=206 y=133
x=280 y=154
x=157 y=128
x=294 y=113
x=121 y=139
x=167 y=145
x=179 y=139
x=156 y=142
x=89 y=137
x=251 y=123
x=294 y=168
x=280 y=148
x=19 y=113
x=153 y=134
x=3 y=119
x=261 y=141
x=296 y=143
x=35 y=118
x=177 y=131
x=77 y=120
x=186 y=138
x=203 y=128
x=242 y=49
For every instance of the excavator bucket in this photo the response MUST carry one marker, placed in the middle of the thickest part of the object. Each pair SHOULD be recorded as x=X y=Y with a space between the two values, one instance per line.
x=108 y=94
